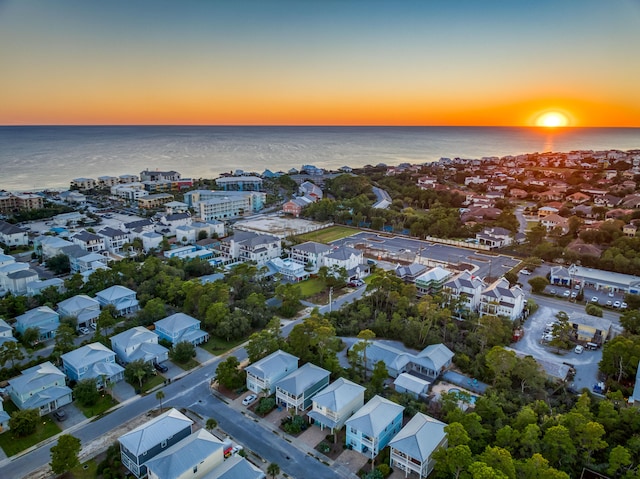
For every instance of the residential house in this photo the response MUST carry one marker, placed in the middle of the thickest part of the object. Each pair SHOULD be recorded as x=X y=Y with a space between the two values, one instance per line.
x=181 y=327
x=467 y=289
x=85 y=309
x=429 y=363
x=123 y=299
x=373 y=426
x=73 y=197
x=432 y=281
x=92 y=361
x=629 y=230
x=310 y=254
x=156 y=175
x=236 y=467
x=50 y=246
x=38 y=286
x=413 y=447
x=11 y=235
x=82 y=261
x=310 y=190
x=295 y=206
x=495 y=237
x=383 y=199
x=90 y=242
x=351 y=259
x=138 y=343
x=297 y=389
x=264 y=374
x=192 y=457
x=555 y=221
x=42 y=387
x=45 y=319
x=336 y=403
x=501 y=299
x=412 y=385
x=170 y=223
x=248 y=246
x=410 y=272
x=6 y=333
x=578 y=198
x=114 y=239
x=547 y=211
x=4 y=418
x=140 y=445
x=16 y=282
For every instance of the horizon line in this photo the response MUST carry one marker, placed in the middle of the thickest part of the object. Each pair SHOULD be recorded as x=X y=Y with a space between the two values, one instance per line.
x=268 y=125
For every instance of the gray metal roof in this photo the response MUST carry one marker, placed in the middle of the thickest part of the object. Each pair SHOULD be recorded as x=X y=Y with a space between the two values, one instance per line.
x=87 y=355
x=77 y=303
x=36 y=315
x=115 y=293
x=151 y=433
x=338 y=394
x=177 y=322
x=411 y=383
x=37 y=377
x=312 y=247
x=372 y=418
x=133 y=337
x=235 y=467
x=183 y=456
x=302 y=379
x=274 y=363
x=420 y=437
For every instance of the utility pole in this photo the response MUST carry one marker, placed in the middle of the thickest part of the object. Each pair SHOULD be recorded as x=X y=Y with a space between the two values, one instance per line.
x=330 y=295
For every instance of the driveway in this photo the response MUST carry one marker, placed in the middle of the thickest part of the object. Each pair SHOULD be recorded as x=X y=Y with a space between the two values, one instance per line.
x=352 y=460
x=123 y=391
x=203 y=356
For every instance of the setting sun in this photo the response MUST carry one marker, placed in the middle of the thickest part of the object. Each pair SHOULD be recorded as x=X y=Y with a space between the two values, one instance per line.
x=552 y=119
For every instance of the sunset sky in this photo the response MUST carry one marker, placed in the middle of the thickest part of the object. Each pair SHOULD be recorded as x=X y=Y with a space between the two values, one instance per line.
x=319 y=62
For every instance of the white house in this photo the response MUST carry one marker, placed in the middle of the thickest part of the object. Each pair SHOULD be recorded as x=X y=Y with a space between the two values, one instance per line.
x=413 y=447
x=467 y=289
x=85 y=309
x=501 y=299
x=336 y=403
x=265 y=373
x=122 y=298
x=138 y=343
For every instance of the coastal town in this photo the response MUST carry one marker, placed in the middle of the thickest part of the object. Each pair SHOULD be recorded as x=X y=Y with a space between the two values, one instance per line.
x=415 y=320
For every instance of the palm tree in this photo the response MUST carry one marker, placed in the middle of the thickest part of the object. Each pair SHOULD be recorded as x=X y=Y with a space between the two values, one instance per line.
x=211 y=424
x=160 y=397
x=273 y=470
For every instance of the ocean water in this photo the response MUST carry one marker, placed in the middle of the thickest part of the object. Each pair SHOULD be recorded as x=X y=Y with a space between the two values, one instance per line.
x=40 y=157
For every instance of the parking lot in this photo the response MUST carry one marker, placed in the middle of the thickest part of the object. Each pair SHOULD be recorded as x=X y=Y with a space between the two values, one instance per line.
x=585 y=364
x=403 y=249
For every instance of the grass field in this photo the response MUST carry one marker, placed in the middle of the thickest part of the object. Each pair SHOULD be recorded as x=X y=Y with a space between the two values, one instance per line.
x=88 y=470
x=12 y=445
x=328 y=235
x=105 y=402
x=311 y=287
x=188 y=366
x=217 y=346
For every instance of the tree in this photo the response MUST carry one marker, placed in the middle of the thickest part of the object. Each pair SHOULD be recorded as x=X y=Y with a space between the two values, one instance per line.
x=229 y=374
x=59 y=264
x=10 y=351
x=137 y=370
x=86 y=391
x=264 y=342
x=30 y=337
x=154 y=310
x=619 y=457
x=359 y=350
x=630 y=321
x=160 y=397
x=211 y=424
x=290 y=295
x=64 y=455
x=24 y=422
x=378 y=377
x=538 y=284
x=64 y=340
x=182 y=352
x=562 y=331
x=273 y=470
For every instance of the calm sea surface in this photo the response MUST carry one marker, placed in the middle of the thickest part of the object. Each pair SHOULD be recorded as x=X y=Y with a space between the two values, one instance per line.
x=49 y=157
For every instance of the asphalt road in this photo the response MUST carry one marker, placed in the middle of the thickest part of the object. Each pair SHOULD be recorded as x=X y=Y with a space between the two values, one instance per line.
x=190 y=391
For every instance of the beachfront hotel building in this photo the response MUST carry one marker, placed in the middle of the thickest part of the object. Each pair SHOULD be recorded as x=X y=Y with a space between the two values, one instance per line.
x=222 y=205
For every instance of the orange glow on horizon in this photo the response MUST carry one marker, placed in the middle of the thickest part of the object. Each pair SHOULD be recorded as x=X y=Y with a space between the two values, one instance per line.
x=552 y=119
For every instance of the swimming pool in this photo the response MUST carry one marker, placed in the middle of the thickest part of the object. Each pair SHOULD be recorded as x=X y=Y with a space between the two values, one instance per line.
x=465 y=397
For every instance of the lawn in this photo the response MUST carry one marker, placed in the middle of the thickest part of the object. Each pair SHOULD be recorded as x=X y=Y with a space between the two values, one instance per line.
x=217 y=346
x=188 y=366
x=12 y=445
x=152 y=382
x=311 y=287
x=327 y=235
x=105 y=402
x=88 y=470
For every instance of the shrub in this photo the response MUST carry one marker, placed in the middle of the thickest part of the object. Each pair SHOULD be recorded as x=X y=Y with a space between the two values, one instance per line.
x=265 y=406
x=593 y=310
x=384 y=469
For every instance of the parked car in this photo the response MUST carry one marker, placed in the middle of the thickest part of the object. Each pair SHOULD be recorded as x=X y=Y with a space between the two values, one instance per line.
x=623 y=305
x=249 y=399
x=609 y=303
x=574 y=295
x=160 y=367
x=577 y=287
x=578 y=349
x=93 y=326
x=611 y=295
x=594 y=299
x=553 y=292
x=60 y=415
x=566 y=294
x=84 y=330
x=526 y=272
x=616 y=304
